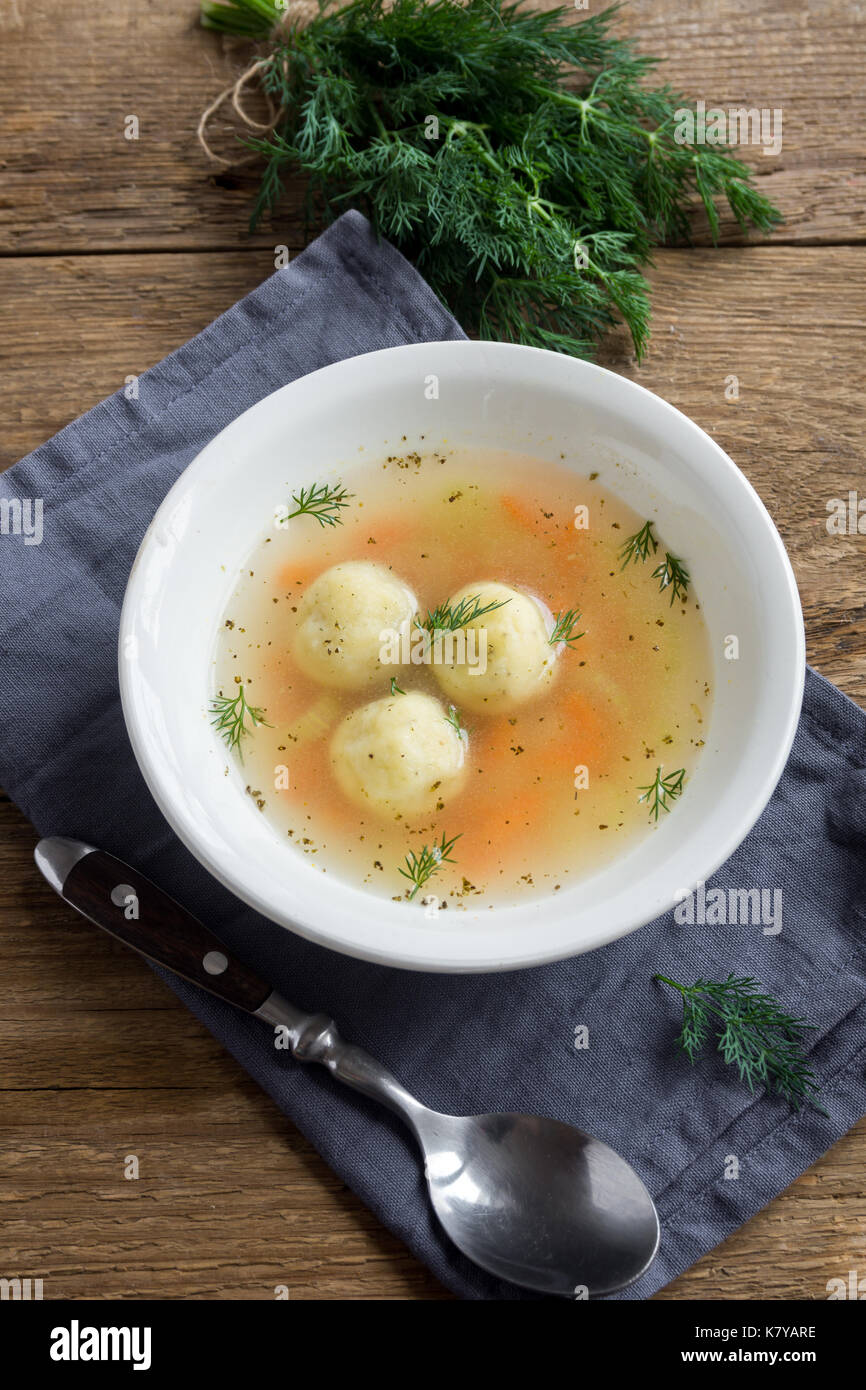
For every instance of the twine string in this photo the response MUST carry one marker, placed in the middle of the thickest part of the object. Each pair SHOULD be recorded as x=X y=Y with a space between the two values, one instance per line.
x=233 y=93
x=297 y=14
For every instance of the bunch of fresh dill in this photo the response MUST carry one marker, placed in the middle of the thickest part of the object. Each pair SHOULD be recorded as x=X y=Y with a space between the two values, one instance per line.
x=518 y=158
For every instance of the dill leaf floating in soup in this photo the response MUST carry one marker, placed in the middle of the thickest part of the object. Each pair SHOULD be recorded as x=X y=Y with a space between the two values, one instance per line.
x=230 y=719
x=672 y=574
x=453 y=717
x=450 y=618
x=420 y=868
x=662 y=791
x=637 y=547
x=563 y=628
x=323 y=502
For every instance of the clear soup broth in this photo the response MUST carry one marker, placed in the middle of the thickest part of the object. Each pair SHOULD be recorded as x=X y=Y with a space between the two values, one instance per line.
x=551 y=789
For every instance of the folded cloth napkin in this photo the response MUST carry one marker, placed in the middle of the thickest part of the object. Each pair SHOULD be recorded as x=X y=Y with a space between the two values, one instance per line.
x=467 y=1043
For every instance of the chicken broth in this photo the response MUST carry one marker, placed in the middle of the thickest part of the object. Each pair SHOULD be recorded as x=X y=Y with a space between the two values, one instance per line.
x=573 y=738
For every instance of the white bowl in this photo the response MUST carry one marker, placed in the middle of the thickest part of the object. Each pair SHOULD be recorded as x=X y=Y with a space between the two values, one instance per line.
x=490 y=395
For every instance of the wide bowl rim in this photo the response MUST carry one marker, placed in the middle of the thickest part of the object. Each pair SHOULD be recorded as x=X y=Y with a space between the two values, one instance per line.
x=415 y=953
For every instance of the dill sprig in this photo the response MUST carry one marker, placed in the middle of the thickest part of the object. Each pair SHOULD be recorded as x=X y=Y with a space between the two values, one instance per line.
x=321 y=501
x=637 y=547
x=672 y=574
x=754 y=1034
x=520 y=158
x=662 y=791
x=453 y=718
x=563 y=628
x=421 y=867
x=446 y=618
x=395 y=688
x=230 y=719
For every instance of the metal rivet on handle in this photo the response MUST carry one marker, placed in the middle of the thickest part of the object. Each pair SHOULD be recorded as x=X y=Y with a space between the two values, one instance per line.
x=215 y=962
x=121 y=894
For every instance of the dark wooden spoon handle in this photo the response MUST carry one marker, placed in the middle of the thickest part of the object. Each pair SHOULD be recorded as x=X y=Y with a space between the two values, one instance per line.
x=123 y=902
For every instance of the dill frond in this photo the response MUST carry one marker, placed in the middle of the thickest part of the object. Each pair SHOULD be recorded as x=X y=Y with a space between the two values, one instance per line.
x=753 y=1033
x=662 y=791
x=672 y=574
x=446 y=618
x=453 y=718
x=421 y=867
x=638 y=546
x=321 y=501
x=229 y=718
x=563 y=628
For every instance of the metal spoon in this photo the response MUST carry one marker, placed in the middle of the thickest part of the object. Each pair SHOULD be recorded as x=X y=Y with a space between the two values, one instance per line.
x=529 y=1199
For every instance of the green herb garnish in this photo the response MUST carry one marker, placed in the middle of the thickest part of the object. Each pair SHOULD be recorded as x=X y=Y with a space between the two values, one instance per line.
x=230 y=716
x=395 y=688
x=520 y=158
x=637 y=547
x=672 y=574
x=321 y=501
x=563 y=628
x=453 y=718
x=468 y=610
x=754 y=1034
x=662 y=791
x=421 y=867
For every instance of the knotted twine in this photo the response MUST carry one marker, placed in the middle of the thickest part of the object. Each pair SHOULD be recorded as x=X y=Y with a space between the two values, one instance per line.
x=297 y=14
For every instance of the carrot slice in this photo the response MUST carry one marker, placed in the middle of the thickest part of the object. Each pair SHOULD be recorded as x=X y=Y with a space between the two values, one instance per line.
x=520 y=512
x=384 y=535
x=294 y=575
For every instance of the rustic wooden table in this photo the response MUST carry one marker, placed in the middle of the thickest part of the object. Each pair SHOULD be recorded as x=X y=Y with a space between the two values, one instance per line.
x=114 y=252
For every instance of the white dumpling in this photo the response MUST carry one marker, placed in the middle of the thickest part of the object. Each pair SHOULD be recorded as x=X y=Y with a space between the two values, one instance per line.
x=399 y=756
x=340 y=621
x=519 y=661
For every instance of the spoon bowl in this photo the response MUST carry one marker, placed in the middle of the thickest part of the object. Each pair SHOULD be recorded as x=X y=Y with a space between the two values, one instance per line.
x=538 y=1202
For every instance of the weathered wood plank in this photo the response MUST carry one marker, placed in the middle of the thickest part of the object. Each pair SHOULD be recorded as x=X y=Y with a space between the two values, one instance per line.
x=72 y=181
x=119 y=315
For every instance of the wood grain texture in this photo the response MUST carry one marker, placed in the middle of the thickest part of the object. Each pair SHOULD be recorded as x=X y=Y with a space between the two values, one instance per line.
x=119 y=251
x=72 y=180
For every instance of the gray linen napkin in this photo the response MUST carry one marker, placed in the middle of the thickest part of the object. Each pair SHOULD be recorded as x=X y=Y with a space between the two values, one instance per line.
x=462 y=1044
